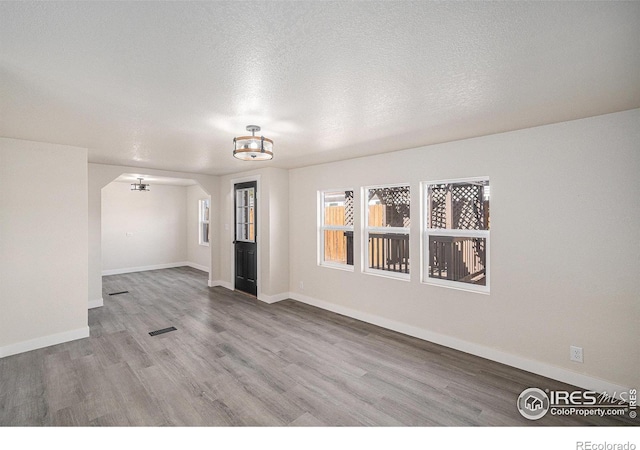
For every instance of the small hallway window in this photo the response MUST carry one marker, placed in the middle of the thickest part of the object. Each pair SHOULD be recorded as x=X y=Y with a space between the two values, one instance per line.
x=203 y=222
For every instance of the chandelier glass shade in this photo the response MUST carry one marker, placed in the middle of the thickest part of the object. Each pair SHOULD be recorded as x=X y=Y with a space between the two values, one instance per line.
x=253 y=148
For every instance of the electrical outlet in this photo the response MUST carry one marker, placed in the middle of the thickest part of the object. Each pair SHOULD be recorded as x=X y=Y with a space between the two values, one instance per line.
x=575 y=354
x=302 y=285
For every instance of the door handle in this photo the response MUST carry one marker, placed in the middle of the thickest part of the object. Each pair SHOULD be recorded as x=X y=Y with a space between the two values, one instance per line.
x=234 y=241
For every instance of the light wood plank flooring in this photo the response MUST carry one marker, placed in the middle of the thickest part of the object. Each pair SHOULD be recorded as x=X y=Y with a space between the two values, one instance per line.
x=236 y=361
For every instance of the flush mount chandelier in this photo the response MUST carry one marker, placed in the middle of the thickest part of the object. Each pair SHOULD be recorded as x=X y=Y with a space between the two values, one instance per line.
x=140 y=186
x=253 y=148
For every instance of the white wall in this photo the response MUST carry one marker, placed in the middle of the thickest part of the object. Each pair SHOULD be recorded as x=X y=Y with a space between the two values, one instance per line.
x=565 y=248
x=198 y=255
x=43 y=245
x=272 y=231
x=142 y=229
x=277 y=206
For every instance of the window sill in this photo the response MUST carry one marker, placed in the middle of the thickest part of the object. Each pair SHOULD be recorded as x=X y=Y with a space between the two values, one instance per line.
x=457 y=286
x=204 y=244
x=387 y=274
x=343 y=267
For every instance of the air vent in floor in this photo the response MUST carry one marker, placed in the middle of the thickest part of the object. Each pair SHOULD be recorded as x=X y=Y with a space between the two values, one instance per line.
x=164 y=330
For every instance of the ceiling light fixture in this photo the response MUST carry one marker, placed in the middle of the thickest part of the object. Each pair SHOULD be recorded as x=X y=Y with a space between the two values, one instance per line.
x=139 y=186
x=253 y=148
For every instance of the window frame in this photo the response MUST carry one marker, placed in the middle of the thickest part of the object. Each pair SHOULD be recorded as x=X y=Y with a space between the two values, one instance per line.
x=251 y=231
x=450 y=232
x=366 y=230
x=202 y=204
x=322 y=228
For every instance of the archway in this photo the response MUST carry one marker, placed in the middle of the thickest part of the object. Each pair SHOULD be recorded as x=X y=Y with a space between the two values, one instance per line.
x=101 y=175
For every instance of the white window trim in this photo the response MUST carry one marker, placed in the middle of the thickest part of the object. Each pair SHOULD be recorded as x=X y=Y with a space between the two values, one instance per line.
x=426 y=232
x=387 y=274
x=366 y=229
x=236 y=231
x=202 y=221
x=322 y=228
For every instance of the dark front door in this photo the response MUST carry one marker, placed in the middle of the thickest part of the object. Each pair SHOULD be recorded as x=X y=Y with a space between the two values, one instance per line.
x=246 y=258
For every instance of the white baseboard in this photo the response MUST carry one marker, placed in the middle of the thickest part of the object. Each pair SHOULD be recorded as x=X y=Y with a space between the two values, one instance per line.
x=224 y=284
x=274 y=298
x=143 y=268
x=198 y=266
x=262 y=297
x=44 y=341
x=154 y=267
x=537 y=367
x=96 y=303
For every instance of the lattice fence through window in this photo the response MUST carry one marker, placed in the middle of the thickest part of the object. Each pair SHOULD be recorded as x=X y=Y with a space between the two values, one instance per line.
x=459 y=206
x=467 y=207
x=396 y=200
x=439 y=206
x=348 y=208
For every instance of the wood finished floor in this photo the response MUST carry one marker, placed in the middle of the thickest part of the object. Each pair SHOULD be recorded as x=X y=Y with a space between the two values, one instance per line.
x=236 y=361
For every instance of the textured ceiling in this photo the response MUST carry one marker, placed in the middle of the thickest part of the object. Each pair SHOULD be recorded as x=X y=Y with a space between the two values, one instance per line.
x=167 y=85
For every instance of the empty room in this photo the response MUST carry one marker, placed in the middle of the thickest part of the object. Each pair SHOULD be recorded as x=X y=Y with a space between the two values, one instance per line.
x=327 y=215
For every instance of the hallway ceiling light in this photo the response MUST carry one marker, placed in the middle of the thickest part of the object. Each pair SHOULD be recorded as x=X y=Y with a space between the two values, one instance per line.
x=140 y=186
x=253 y=148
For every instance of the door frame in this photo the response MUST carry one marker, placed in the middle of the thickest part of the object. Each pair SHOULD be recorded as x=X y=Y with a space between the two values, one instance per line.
x=232 y=185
